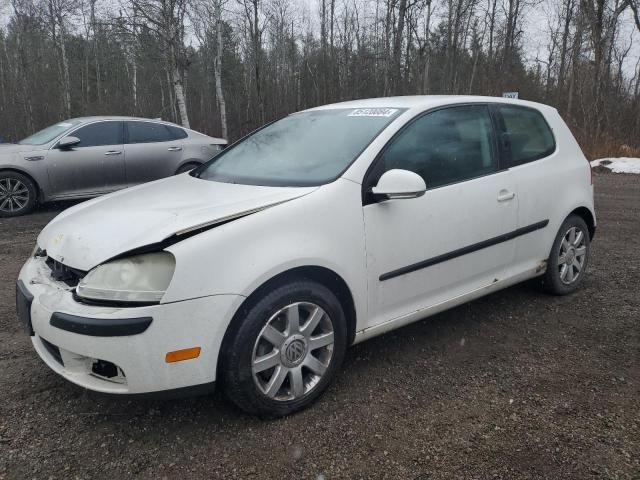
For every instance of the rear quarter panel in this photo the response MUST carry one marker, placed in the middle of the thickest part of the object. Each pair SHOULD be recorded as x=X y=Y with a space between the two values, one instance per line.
x=551 y=188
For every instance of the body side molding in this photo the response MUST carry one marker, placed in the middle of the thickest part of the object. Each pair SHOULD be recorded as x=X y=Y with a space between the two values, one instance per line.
x=464 y=250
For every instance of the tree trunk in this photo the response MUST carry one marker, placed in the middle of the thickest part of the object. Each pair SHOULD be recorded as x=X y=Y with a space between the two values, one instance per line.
x=64 y=62
x=568 y=16
x=397 y=48
x=180 y=101
x=217 y=67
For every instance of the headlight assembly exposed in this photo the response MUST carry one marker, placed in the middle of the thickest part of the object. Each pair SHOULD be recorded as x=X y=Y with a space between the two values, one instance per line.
x=138 y=279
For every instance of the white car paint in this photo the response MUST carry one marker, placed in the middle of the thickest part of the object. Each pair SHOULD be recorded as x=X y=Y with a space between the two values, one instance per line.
x=264 y=231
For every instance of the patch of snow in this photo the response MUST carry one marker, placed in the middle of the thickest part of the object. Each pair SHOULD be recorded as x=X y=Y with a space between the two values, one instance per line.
x=619 y=165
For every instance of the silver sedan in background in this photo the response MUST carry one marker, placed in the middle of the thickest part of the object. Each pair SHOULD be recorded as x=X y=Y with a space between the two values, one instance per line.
x=90 y=156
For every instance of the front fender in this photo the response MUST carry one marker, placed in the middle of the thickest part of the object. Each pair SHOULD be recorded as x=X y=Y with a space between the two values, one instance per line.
x=324 y=228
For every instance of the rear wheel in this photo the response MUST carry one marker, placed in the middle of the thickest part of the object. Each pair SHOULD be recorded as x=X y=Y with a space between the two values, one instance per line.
x=17 y=194
x=569 y=257
x=286 y=351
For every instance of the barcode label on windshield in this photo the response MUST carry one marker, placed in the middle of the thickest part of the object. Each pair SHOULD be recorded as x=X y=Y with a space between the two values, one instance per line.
x=373 y=112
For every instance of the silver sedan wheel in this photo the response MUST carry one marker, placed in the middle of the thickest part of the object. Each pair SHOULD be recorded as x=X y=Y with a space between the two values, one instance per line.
x=293 y=351
x=14 y=195
x=572 y=255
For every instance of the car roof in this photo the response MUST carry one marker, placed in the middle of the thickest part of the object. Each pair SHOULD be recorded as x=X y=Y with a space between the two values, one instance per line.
x=96 y=118
x=423 y=102
x=119 y=118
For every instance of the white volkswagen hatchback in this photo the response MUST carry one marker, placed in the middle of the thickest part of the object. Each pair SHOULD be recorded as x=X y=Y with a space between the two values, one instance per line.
x=328 y=227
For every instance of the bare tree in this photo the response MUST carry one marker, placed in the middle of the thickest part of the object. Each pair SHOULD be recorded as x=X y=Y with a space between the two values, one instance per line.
x=56 y=15
x=208 y=22
x=166 y=18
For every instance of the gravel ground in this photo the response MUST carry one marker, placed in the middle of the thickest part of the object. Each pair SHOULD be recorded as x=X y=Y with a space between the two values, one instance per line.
x=515 y=385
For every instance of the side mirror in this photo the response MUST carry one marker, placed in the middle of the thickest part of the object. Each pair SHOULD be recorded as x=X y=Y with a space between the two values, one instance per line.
x=396 y=184
x=67 y=142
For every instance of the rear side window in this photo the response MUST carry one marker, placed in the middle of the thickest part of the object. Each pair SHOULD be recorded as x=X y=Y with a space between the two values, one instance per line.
x=176 y=132
x=99 y=134
x=526 y=135
x=148 y=132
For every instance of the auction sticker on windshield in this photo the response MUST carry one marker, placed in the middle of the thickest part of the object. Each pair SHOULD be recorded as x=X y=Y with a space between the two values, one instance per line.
x=373 y=112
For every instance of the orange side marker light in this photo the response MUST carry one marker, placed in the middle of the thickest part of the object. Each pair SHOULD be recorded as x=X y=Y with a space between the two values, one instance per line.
x=180 y=355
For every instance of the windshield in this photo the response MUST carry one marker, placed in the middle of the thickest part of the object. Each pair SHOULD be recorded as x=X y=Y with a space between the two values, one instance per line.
x=303 y=149
x=49 y=133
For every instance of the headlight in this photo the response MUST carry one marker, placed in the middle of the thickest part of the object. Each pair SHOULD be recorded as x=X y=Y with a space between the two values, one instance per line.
x=140 y=279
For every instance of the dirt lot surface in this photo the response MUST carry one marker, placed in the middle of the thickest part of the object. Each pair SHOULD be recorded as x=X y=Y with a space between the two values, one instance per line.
x=516 y=385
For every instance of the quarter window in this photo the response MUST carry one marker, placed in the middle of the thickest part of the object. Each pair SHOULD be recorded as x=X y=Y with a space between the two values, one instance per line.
x=99 y=134
x=445 y=146
x=148 y=132
x=176 y=132
x=526 y=135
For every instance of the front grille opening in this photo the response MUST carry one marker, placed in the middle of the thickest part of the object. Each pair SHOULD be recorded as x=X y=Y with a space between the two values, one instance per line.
x=108 y=371
x=62 y=273
x=53 y=351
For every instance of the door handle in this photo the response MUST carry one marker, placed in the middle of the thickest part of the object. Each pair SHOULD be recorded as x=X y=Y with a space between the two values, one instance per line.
x=113 y=152
x=174 y=149
x=506 y=195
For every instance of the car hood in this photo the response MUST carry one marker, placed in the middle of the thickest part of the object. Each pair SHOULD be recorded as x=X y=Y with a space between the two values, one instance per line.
x=90 y=233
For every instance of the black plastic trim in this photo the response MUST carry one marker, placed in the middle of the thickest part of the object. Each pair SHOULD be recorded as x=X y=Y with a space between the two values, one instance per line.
x=111 y=303
x=100 y=327
x=53 y=350
x=24 y=299
x=464 y=251
x=172 y=394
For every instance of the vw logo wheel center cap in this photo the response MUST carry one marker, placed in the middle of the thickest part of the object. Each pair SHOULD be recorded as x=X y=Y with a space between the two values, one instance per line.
x=294 y=350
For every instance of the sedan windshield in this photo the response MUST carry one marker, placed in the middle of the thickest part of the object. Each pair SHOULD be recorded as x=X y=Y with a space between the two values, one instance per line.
x=303 y=149
x=49 y=133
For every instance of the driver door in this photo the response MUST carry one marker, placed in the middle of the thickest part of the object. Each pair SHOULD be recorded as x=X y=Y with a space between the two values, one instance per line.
x=427 y=250
x=92 y=167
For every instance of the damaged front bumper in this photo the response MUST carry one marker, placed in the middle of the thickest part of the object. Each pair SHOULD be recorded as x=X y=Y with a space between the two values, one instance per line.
x=121 y=350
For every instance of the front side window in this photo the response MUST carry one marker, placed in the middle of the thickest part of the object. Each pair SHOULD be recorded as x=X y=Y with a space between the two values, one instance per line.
x=99 y=134
x=303 y=149
x=148 y=132
x=49 y=133
x=527 y=136
x=445 y=146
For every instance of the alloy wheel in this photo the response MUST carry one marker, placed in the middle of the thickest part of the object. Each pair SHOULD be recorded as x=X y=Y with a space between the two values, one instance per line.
x=293 y=351
x=572 y=255
x=14 y=195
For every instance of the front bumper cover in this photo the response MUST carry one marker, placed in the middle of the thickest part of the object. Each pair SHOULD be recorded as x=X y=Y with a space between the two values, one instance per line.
x=58 y=320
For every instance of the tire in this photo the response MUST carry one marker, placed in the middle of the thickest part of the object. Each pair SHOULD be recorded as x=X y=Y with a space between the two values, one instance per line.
x=187 y=167
x=296 y=379
x=18 y=194
x=562 y=277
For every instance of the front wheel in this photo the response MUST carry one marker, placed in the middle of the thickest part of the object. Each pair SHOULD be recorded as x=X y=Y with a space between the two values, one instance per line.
x=286 y=349
x=17 y=194
x=569 y=257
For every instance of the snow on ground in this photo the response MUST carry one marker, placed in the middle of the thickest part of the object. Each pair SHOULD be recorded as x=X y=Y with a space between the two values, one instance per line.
x=619 y=165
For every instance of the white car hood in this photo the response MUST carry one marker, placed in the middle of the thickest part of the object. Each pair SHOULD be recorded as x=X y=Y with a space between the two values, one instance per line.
x=90 y=233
